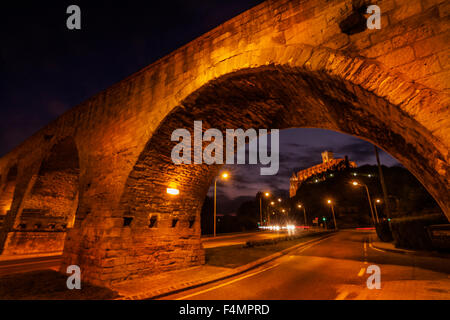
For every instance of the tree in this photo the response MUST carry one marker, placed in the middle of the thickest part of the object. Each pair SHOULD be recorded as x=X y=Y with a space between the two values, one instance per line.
x=248 y=215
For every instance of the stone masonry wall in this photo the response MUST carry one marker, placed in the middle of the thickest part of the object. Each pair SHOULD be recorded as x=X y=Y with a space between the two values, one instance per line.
x=282 y=64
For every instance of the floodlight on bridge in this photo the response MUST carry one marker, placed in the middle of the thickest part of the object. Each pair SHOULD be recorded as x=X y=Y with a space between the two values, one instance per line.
x=173 y=191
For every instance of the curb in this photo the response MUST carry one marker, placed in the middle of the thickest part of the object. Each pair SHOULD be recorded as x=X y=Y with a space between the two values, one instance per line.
x=413 y=253
x=222 y=276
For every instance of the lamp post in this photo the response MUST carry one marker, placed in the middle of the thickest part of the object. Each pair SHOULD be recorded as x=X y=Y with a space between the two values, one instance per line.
x=304 y=213
x=356 y=183
x=267 y=194
x=332 y=210
x=224 y=175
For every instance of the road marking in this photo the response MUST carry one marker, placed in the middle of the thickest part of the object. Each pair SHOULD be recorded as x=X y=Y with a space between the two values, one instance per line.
x=361 y=272
x=372 y=247
x=227 y=283
x=365 y=251
x=342 y=295
x=312 y=244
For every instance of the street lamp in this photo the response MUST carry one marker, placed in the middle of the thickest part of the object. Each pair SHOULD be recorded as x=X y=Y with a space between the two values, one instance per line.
x=332 y=210
x=356 y=183
x=224 y=176
x=279 y=199
x=375 y=202
x=304 y=212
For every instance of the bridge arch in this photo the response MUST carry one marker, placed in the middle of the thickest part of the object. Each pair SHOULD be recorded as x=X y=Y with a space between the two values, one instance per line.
x=7 y=187
x=47 y=207
x=281 y=88
x=54 y=191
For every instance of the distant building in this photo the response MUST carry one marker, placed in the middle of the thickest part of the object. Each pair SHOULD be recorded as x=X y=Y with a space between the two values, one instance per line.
x=328 y=164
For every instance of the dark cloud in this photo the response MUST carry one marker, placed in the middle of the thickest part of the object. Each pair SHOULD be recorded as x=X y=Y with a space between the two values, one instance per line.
x=47 y=69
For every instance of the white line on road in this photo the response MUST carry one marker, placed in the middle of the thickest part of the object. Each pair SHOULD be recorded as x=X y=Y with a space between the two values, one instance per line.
x=227 y=283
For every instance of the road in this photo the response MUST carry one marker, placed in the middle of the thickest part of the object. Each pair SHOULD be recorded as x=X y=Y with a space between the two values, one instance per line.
x=334 y=268
x=53 y=262
x=29 y=264
x=234 y=239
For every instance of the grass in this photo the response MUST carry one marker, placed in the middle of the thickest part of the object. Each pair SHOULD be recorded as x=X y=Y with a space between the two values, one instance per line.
x=238 y=255
x=48 y=285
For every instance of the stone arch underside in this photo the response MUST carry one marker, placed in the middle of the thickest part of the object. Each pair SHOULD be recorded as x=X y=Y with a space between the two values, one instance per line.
x=272 y=96
x=7 y=192
x=49 y=206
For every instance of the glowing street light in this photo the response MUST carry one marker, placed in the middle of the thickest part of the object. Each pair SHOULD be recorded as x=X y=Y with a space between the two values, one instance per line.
x=356 y=183
x=330 y=202
x=224 y=176
x=279 y=199
x=304 y=212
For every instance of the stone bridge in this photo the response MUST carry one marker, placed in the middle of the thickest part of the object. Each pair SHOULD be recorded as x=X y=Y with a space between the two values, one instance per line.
x=100 y=171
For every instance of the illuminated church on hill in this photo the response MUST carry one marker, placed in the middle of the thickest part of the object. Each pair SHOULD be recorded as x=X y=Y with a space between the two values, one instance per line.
x=328 y=164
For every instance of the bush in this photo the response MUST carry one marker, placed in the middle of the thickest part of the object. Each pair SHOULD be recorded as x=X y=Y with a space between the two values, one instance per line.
x=411 y=233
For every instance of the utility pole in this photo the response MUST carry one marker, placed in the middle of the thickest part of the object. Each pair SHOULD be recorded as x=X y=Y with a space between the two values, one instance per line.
x=215 y=205
x=304 y=212
x=383 y=185
x=260 y=209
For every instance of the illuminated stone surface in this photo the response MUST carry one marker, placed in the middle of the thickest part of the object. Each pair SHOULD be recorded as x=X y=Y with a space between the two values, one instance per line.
x=281 y=64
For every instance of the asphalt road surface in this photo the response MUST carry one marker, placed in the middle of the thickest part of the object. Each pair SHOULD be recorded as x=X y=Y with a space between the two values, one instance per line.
x=53 y=262
x=234 y=239
x=29 y=264
x=335 y=268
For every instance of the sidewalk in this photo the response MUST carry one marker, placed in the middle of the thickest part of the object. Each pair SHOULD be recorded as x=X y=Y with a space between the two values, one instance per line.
x=171 y=282
x=389 y=246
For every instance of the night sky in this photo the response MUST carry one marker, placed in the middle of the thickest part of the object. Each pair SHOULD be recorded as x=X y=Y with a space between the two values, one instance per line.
x=47 y=69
